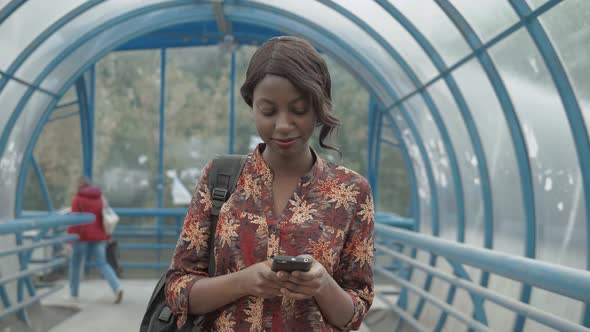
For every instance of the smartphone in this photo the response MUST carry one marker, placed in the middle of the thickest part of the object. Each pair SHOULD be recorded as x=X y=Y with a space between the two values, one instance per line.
x=291 y=263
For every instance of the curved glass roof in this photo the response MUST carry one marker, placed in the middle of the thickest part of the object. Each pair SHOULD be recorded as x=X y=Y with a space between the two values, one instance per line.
x=491 y=106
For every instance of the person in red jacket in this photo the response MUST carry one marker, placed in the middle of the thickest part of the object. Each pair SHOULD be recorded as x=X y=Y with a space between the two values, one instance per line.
x=91 y=239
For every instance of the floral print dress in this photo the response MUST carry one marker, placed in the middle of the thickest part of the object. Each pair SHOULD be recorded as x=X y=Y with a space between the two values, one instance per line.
x=329 y=216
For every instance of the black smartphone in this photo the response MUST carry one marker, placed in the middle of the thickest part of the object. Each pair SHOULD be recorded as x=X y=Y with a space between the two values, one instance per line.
x=291 y=263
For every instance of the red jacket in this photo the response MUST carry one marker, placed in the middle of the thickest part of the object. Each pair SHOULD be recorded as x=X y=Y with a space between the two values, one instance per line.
x=89 y=199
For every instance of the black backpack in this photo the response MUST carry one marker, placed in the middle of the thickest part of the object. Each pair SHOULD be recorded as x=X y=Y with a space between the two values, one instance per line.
x=223 y=177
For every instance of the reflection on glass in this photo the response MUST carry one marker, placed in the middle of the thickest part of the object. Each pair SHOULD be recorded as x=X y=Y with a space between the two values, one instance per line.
x=571 y=38
x=501 y=160
x=439 y=162
x=554 y=165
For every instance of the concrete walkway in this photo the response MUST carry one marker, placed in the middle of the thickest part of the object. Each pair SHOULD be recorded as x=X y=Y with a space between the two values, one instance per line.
x=98 y=313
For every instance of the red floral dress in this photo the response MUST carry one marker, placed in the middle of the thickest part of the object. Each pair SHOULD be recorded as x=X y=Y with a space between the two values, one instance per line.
x=329 y=216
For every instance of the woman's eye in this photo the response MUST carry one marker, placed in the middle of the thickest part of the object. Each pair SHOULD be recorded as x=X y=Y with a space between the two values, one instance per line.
x=267 y=111
x=300 y=111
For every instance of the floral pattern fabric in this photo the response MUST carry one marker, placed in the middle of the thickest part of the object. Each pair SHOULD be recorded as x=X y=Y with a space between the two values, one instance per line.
x=329 y=216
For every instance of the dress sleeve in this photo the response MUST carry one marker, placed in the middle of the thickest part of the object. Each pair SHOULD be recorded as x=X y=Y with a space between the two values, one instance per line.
x=355 y=271
x=190 y=262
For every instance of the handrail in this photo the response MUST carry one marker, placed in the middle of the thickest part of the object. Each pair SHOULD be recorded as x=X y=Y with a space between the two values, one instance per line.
x=524 y=309
x=56 y=240
x=152 y=212
x=473 y=324
x=35 y=221
x=44 y=221
x=562 y=280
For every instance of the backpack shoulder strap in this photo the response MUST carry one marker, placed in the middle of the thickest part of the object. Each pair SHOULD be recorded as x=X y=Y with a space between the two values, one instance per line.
x=223 y=176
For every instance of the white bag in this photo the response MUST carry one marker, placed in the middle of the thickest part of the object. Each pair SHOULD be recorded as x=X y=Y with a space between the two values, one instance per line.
x=109 y=217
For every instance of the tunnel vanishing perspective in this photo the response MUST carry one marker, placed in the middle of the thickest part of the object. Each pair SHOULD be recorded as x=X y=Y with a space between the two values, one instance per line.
x=487 y=103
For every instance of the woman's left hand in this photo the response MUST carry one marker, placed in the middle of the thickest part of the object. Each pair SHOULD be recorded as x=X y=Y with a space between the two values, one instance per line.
x=300 y=285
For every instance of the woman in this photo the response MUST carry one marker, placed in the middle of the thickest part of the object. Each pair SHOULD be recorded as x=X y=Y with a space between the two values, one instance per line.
x=91 y=239
x=288 y=201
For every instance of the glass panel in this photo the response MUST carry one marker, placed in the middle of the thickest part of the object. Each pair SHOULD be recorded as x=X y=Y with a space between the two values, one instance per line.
x=558 y=305
x=76 y=28
x=419 y=170
x=497 y=144
x=59 y=156
x=351 y=34
x=17 y=32
x=557 y=179
x=394 y=192
x=11 y=162
x=497 y=16
x=197 y=117
x=398 y=37
x=127 y=122
x=465 y=155
x=571 y=38
x=9 y=99
x=3 y=3
x=436 y=26
x=439 y=161
x=500 y=318
x=350 y=102
x=246 y=135
x=113 y=37
x=325 y=45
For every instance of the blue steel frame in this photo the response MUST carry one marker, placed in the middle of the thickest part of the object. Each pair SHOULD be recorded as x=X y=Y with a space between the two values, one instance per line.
x=42 y=184
x=232 y=103
x=86 y=129
x=83 y=68
x=456 y=175
x=28 y=51
x=528 y=19
x=572 y=110
x=162 y=137
x=521 y=151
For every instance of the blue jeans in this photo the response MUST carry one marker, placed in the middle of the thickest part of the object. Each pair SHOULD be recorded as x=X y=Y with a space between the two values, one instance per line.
x=84 y=250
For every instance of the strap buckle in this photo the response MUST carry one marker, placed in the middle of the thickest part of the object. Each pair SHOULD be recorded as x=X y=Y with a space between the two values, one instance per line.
x=219 y=194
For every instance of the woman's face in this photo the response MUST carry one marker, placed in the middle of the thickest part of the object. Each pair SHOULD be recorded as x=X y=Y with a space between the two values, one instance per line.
x=284 y=120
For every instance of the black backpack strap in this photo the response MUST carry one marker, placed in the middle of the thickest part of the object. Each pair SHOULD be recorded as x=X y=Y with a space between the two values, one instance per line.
x=223 y=176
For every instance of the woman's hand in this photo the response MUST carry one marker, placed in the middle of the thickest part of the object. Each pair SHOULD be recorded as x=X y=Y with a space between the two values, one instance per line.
x=300 y=285
x=259 y=280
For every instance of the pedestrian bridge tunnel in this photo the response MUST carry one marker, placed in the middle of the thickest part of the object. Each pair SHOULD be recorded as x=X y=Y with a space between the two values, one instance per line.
x=469 y=119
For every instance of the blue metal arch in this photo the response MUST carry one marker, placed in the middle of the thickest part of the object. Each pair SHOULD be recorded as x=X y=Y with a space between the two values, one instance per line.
x=42 y=184
x=572 y=110
x=38 y=41
x=457 y=183
x=466 y=115
x=521 y=151
x=31 y=144
x=9 y=9
x=427 y=99
x=194 y=15
x=86 y=130
x=70 y=49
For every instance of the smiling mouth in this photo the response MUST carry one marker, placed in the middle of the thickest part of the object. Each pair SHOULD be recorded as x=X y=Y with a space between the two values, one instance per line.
x=285 y=140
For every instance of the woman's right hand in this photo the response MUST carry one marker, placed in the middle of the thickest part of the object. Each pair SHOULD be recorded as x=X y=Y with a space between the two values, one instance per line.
x=259 y=280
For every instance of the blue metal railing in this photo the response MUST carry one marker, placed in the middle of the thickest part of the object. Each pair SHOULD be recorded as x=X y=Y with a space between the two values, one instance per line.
x=572 y=283
x=158 y=232
x=50 y=232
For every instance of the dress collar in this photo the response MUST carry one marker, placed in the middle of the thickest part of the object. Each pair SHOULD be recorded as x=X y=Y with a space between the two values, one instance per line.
x=263 y=168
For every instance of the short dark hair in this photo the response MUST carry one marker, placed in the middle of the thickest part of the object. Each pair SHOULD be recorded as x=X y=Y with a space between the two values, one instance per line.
x=298 y=61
